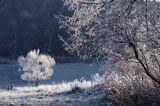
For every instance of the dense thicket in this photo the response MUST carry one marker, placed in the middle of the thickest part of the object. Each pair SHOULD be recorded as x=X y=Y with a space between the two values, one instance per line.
x=29 y=24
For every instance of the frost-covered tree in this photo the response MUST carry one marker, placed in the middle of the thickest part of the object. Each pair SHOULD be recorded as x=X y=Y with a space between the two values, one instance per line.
x=36 y=66
x=114 y=30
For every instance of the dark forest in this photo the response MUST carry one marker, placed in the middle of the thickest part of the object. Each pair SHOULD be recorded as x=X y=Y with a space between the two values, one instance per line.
x=30 y=24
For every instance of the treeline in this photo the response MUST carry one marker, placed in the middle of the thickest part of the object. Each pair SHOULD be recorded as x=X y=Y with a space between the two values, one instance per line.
x=30 y=24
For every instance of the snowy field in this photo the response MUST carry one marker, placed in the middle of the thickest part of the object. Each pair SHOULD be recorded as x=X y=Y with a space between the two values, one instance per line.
x=65 y=88
x=75 y=93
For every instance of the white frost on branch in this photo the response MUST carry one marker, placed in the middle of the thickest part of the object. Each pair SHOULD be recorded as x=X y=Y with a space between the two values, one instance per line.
x=36 y=66
x=114 y=30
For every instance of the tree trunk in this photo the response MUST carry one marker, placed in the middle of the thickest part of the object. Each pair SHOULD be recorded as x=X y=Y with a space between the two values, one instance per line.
x=146 y=69
x=37 y=83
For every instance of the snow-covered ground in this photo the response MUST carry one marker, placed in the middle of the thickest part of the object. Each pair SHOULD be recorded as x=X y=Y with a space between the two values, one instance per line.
x=75 y=93
x=61 y=90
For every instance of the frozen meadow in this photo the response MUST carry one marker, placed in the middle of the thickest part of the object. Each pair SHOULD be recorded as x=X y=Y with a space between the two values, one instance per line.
x=71 y=84
x=79 y=93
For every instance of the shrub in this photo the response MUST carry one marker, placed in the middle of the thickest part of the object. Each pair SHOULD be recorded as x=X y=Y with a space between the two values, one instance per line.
x=126 y=84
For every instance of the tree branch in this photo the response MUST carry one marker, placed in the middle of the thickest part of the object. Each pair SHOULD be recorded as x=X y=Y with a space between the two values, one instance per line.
x=89 y=3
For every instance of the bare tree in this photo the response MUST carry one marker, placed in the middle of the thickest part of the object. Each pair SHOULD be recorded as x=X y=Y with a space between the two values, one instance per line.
x=114 y=30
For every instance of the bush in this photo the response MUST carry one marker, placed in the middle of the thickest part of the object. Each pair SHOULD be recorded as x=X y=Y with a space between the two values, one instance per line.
x=128 y=85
